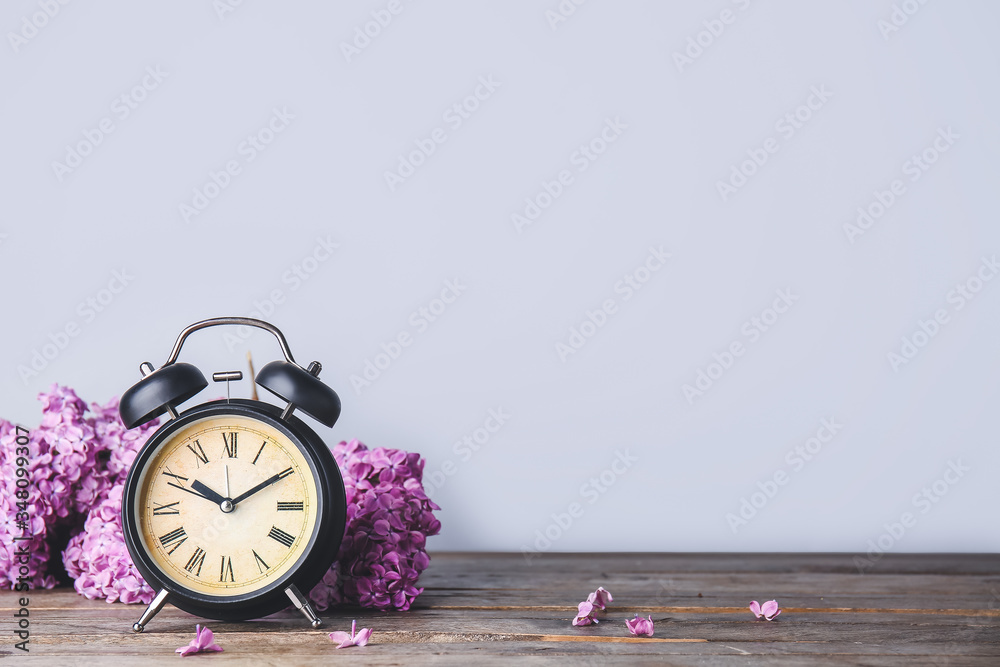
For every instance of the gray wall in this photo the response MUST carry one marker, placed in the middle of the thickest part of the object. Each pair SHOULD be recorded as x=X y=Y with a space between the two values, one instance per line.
x=777 y=376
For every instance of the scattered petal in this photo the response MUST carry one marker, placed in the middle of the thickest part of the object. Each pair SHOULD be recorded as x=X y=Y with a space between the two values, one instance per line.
x=769 y=610
x=640 y=627
x=344 y=639
x=204 y=640
x=600 y=598
x=588 y=608
x=585 y=614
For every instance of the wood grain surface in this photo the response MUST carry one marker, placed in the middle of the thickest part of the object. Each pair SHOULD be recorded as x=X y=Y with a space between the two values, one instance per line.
x=492 y=609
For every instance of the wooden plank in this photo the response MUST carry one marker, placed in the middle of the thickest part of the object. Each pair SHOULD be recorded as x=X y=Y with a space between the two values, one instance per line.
x=493 y=608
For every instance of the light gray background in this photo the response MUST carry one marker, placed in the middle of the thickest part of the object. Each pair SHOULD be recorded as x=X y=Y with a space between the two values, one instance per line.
x=495 y=346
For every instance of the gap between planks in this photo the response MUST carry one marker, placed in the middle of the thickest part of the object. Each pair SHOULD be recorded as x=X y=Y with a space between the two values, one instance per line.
x=729 y=610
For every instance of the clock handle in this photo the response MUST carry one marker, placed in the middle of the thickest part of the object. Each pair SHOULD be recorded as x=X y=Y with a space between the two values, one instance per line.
x=237 y=321
x=152 y=610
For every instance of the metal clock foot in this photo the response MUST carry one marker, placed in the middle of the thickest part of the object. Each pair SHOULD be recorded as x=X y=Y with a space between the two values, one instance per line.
x=302 y=604
x=152 y=610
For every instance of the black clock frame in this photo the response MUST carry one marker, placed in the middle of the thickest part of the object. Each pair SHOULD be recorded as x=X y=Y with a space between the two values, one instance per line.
x=319 y=554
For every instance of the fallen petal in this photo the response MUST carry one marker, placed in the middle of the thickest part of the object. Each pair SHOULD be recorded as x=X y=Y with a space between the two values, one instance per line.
x=341 y=638
x=755 y=608
x=359 y=638
x=362 y=637
x=600 y=597
x=770 y=609
x=640 y=627
x=203 y=641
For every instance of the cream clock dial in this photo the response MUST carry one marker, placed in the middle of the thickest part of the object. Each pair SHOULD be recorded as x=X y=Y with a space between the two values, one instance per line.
x=226 y=505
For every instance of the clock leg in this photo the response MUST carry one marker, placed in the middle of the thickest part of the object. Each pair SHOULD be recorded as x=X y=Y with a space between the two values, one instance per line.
x=154 y=607
x=302 y=604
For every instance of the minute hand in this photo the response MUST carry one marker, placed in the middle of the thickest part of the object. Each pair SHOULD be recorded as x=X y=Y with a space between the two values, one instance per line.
x=263 y=485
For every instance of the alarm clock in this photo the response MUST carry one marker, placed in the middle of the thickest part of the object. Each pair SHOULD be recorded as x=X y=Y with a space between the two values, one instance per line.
x=233 y=508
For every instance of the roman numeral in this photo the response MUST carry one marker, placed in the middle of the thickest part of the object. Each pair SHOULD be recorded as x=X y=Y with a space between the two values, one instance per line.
x=227 y=570
x=258 y=452
x=170 y=474
x=260 y=561
x=178 y=536
x=196 y=561
x=291 y=507
x=281 y=536
x=160 y=509
x=199 y=453
x=230 y=444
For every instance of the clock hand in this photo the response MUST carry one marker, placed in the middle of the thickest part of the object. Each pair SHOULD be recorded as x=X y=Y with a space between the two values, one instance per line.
x=266 y=483
x=193 y=493
x=207 y=493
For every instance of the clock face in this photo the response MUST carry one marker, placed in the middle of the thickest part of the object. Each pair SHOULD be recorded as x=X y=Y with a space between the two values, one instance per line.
x=226 y=505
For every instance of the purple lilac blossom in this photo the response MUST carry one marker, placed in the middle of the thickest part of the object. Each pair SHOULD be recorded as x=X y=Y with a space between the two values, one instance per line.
x=79 y=457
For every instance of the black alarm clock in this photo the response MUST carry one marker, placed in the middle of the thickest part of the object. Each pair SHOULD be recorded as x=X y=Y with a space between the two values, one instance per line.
x=233 y=508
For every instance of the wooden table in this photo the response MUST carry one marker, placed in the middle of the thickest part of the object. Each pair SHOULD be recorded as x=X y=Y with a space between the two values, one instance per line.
x=488 y=609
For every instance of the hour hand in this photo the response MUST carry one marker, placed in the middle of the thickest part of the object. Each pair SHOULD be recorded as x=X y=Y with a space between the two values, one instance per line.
x=187 y=490
x=207 y=492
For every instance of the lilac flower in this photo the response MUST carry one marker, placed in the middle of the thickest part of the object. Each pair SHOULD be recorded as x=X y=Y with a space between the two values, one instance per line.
x=204 y=640
x=600 y=598
x=389 y=518
x=640 y=627
x=587 y=609
x=76 y=455
x=769 y=610
x=585 y=614
x=352 y=639
x=98 y=560
x=390 y=463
